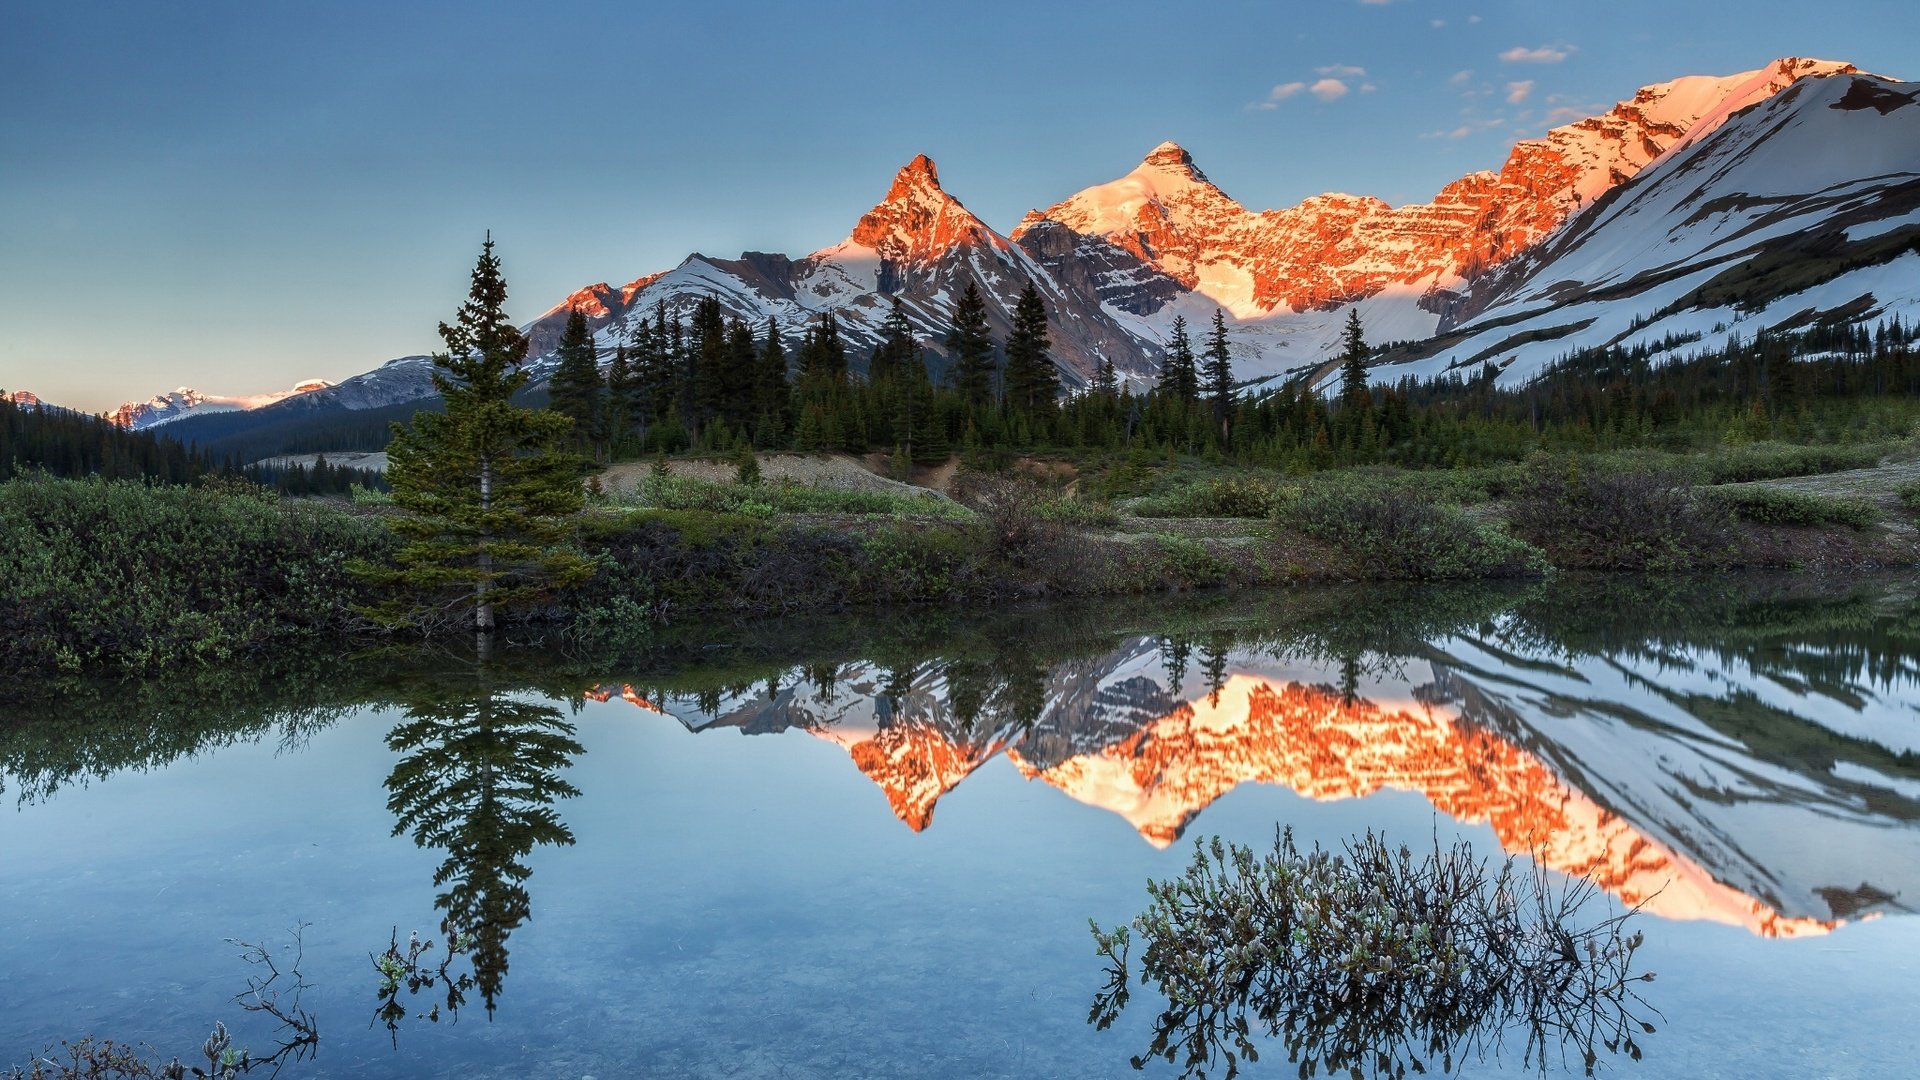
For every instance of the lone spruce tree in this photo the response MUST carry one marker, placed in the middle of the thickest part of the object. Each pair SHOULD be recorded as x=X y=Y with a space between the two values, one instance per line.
x=1033 y=382
x=1353 y=363
x=1220 y=373
x=489 y=498
x=970 y=349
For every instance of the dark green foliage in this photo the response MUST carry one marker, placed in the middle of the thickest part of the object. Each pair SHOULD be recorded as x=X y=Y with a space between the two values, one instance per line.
x=478 y=777
x=1233 y=497
x=1179 y=373
x=127 y=575
x=1620 y=520
x=64 y=443
x=1395 y=534
x=1779 y=506
x=489 y=498
x=575 y=390
x=1033 y=382
x=619 y=398
x=970 y=349
x=1372 y=961
x=320 y=478
x=1219 y=368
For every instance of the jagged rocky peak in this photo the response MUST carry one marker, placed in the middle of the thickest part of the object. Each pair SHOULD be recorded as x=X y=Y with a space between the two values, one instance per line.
x=918 y=219
x=1171 y=155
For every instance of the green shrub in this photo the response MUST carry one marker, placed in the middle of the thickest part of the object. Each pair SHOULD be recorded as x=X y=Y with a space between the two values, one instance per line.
x=669 y=491
x=1777 y=506
x=1241 y=497
x=1620 y=520
x=1071 y=511
x=1770 y=461
x=1401 y=535
x=119 y=573
x=1909 y=494
x=1189 y=563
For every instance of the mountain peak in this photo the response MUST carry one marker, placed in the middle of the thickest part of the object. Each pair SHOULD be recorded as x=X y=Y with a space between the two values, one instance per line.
x=1168 y=153
x=917 y=219
x=920 y=172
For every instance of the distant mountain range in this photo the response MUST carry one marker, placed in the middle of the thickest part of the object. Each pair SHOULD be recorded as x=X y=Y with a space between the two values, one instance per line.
x=186 y=401
x=1695 y=211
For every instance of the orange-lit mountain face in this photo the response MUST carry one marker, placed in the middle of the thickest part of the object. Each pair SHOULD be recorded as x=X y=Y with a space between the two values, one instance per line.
x=1112 y=732
x=1313 y=741
x=1337 y=248
x=1119 y=262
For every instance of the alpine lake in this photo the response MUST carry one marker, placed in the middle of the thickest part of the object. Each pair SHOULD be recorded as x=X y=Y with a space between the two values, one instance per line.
x=871 y=845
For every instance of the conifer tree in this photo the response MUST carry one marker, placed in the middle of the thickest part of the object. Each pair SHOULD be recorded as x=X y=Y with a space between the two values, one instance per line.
x=1179 y=377
x=772 y=396
x=895 y=349
x=970 y=348
x=823 y=358
x=1220 y=373
x=619 y=402
x=1033 y=382
x=490 y=497
x=575 y=390
x=478 y=779
x=1353 y=363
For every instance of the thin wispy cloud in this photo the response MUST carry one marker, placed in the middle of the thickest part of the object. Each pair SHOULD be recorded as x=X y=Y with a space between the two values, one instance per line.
x=1518 y=92
x=1277 y=95
x=1341 y=71
x=1545 y=54
x=1460 y=78
x=1329 y=90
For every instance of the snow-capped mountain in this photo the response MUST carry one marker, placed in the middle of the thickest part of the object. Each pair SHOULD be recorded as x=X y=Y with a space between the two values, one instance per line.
x=1620 y=766
x=1804 y=207
x=26 y=399
x=1117 y=262
x=186 y=401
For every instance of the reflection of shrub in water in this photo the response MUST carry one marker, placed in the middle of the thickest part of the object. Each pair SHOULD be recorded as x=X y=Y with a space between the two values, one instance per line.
x=1372 y=960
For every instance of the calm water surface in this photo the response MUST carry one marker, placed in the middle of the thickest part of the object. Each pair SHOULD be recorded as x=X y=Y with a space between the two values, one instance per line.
x=868 y=847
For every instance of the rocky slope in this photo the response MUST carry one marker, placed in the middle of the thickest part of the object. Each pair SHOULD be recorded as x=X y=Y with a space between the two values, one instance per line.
x=1119 y=261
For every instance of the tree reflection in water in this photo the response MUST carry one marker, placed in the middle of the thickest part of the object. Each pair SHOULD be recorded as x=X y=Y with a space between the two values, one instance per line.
x=479 y=780
x=1373 y=961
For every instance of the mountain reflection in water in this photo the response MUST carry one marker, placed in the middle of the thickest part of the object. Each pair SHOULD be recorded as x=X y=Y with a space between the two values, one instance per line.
x=1752 y=771
x=1742 y=751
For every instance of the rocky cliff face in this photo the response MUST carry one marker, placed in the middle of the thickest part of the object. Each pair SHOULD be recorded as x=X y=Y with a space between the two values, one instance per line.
x=1117 y=262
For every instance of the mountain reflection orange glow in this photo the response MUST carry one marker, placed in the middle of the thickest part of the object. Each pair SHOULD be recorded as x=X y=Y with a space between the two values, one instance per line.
x=1313 y=741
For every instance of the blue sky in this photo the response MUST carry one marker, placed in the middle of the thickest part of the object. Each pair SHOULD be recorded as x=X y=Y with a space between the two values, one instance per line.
x=240 y=196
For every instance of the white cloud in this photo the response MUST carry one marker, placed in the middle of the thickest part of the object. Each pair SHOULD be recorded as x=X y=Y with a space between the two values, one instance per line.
x=1545 y=54
x=1460 y=78
x=1367 y=88
x=1341 y=71
x=1517 y=91
x=1329 y=90
x=1438 y=24
x=1472 y=19
x=1460 y=132
x=1285 y=91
